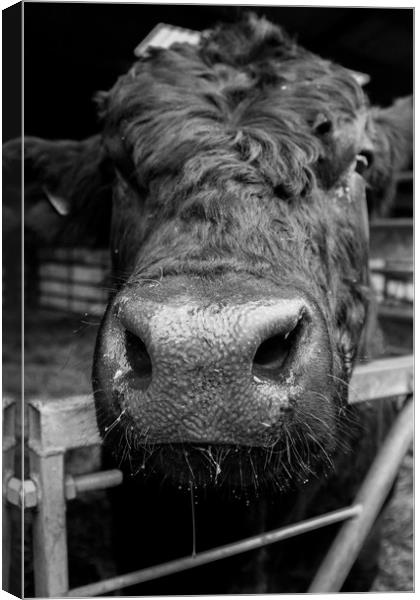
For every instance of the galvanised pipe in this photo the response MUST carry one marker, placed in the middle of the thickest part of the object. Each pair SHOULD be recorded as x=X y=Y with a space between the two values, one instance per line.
x=189 y=562
x=98 y=481
x=346 y=546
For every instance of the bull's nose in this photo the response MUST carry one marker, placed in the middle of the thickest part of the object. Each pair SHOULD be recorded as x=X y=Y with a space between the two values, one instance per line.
x=258 y=337
x=200 y=361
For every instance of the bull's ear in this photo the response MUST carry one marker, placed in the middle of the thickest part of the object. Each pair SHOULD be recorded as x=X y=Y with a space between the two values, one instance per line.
x=67 y=188
x=392 y=138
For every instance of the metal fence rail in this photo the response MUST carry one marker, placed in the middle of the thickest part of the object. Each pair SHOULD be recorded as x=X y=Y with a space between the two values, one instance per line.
x=339 y=560
x=345 y=548
x=56 y=426
x=203 y=558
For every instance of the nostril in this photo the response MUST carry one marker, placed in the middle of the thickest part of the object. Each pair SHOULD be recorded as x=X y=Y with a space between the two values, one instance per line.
x=138 y=359
x=272 y=354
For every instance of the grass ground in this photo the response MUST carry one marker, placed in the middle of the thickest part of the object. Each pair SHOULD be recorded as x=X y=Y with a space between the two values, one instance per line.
x=58 y=358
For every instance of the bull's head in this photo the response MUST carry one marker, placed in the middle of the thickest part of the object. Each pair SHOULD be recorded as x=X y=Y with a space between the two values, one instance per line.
x=239 y=243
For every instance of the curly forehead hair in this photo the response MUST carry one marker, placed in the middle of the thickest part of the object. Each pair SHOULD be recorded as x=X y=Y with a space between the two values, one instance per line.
x=243 y=106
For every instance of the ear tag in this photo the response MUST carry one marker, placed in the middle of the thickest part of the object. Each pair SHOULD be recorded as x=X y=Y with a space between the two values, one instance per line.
x=59 y=204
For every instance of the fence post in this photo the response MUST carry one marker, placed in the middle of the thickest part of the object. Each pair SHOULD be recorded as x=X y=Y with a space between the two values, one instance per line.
x=9 y=443
x=46 y=464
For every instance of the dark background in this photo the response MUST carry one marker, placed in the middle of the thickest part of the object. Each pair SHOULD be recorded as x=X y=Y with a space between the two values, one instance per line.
x=72 y=50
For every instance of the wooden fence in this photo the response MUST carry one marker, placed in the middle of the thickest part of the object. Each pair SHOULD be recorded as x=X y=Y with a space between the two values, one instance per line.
x=74 y=280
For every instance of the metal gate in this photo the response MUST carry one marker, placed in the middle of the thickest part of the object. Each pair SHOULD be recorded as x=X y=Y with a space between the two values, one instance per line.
x=56 y=426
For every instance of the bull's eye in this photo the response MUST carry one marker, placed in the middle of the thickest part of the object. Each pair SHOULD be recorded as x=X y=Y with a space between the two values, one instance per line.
x=363 y=161
x=321 y=125
x=323 y=128
x=280 y=191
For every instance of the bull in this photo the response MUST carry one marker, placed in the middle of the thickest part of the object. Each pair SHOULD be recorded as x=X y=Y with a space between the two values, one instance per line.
x=230 y=182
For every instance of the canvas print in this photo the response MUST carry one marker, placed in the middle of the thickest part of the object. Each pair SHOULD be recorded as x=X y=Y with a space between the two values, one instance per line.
x=207 y=299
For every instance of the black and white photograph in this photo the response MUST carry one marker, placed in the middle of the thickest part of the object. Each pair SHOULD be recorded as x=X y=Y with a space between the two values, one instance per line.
x=208 y=297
